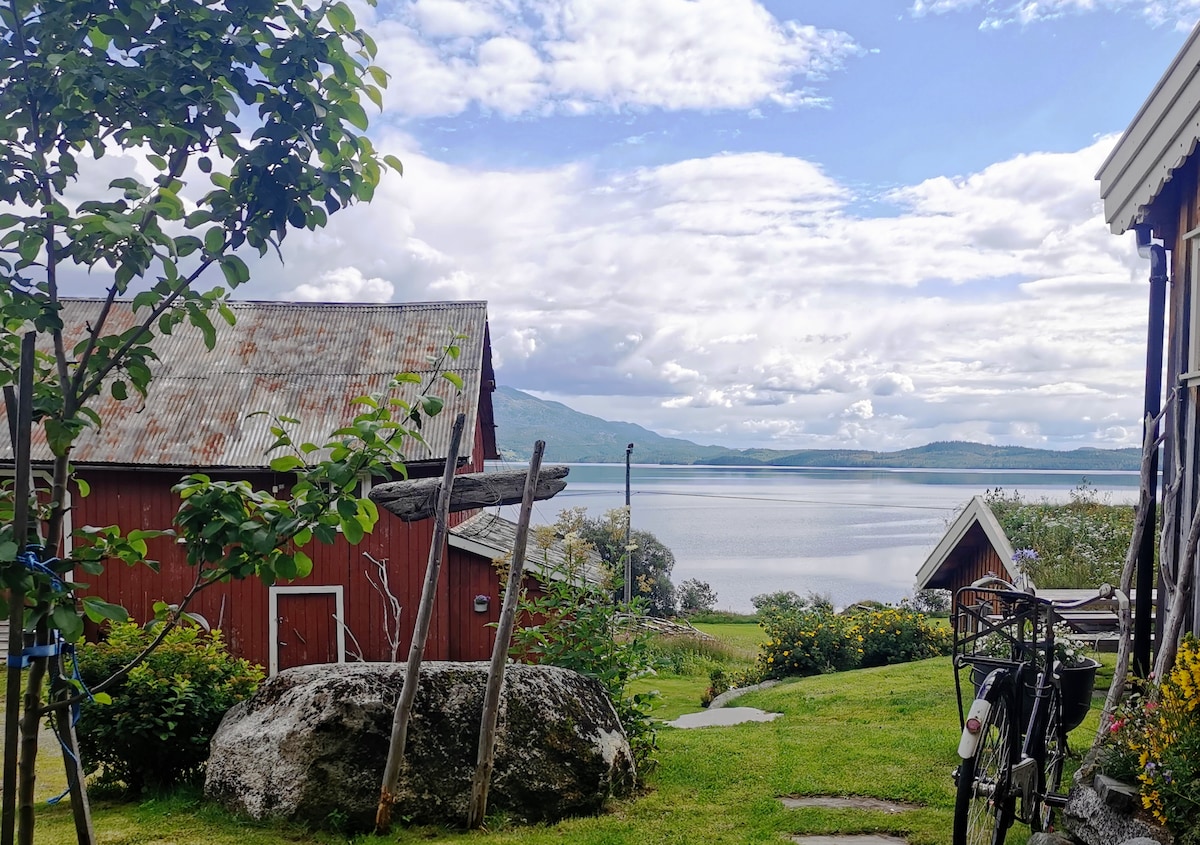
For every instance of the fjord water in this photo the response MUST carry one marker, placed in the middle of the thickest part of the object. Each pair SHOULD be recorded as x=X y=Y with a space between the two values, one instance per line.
x=852 y=534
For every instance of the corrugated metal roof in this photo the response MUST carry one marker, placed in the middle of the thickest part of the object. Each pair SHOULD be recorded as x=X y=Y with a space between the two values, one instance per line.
x=493 y=536
x=1161 y=137
x=304 y=360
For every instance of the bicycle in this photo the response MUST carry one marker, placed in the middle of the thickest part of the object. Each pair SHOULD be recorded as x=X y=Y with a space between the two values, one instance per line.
x=1014 y=735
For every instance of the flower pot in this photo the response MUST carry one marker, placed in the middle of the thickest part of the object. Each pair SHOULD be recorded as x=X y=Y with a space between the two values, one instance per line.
x=1078 y=682
x=481 y=605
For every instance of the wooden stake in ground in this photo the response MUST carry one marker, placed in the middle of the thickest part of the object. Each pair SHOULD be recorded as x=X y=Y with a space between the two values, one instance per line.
x=391 y=771
x=20 y=415
x=491 y=700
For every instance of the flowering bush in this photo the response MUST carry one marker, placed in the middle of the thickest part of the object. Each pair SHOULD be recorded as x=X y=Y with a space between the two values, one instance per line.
x=1169 y=748
x=815 y=640
x=808 y=642
x=1078 y=544
x=897 y=635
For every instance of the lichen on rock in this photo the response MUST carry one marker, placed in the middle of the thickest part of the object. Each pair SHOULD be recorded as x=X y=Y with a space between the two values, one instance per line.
x=312 y=743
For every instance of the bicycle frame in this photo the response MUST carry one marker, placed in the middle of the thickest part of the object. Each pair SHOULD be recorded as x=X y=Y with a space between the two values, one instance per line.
x=1010 y=634
x=1014 y=734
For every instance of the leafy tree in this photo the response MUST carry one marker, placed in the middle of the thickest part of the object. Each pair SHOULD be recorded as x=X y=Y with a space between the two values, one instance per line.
x=789 y=601
x=696 y=596
x=245 y=121
x=651 y=561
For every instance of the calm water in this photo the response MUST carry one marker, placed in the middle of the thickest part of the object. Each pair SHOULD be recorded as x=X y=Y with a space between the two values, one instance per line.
x=852 y=534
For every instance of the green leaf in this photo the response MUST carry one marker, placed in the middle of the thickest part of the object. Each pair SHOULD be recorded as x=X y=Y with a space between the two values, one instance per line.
x=119 y=391
x=235 y=270
x=98 y=610
x=286 y=463
x=379 y=75
x=341 y=17
x=102 y=698
x=394 y=163
x=67 y=621
x=432 y=405
x=84 y=488
x=200 y=320
x=354 y=113
x=454 y=378
x=352 y=531
x=304 y=564
x=214 y=240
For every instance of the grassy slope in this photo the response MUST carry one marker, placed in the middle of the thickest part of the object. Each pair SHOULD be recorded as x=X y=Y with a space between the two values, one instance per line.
x=888 y=732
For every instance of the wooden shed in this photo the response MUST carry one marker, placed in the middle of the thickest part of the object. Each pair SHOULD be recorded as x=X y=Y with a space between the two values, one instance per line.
x=973 y=547
x=1150 y=183
x=307 y=361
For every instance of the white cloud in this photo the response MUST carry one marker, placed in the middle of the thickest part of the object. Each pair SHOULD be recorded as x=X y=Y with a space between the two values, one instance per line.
x=751 y=295
x=578 y=56
x=344 y=284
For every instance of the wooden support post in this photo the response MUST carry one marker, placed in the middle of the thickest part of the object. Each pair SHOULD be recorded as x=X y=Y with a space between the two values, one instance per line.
x=491 y=700
x=19 y=430
x=391 y=772
x=80 y=809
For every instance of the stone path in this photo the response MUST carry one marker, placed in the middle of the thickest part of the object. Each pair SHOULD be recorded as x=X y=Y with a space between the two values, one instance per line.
x=857 y=839
x=722 y=716
x=836 y=803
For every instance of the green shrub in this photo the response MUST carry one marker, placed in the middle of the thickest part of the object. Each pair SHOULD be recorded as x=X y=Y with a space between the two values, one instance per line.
x=578 y=627
x=721 y=617
x=808 y=642
x=156 y=731
x=898 y=635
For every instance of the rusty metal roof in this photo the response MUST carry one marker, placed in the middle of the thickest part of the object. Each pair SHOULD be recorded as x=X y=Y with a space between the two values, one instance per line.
x=303 y=360
x=492 y=536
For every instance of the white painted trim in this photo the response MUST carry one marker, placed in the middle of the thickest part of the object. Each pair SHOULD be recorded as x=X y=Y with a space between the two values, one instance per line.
x=68 y=525
x=273 y=594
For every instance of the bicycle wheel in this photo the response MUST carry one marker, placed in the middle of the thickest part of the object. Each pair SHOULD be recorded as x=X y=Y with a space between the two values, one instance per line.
x=983 y=811
x=1053 y=753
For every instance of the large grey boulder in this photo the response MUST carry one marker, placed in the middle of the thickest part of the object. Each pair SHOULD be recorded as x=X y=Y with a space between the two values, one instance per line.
x=312 y=742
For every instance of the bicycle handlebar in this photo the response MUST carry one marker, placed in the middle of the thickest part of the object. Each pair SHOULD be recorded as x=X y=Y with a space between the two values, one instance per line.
x=1104 y=593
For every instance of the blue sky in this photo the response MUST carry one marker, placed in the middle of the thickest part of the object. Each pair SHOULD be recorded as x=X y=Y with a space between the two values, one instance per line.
x=786 y=224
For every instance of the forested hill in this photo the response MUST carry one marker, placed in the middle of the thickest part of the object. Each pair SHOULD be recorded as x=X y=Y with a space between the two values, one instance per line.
x=572 y=437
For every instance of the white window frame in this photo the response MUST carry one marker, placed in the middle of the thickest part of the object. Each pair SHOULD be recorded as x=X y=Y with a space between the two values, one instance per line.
x=273 y=594
x=68 y=545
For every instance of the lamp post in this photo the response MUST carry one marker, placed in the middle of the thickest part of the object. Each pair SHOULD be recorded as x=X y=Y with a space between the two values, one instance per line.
x=628 y=526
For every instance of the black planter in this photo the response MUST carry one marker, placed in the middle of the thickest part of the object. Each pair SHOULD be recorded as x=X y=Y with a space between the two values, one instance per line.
x=1078 y=682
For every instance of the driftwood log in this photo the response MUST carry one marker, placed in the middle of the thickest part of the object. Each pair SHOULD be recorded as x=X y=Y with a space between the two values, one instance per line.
x=417 y=499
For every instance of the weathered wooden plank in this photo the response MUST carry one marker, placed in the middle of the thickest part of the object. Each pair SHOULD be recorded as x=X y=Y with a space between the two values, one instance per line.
x=417 y=499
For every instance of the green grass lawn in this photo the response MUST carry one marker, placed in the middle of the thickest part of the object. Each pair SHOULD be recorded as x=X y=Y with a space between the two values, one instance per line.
x=887 y=732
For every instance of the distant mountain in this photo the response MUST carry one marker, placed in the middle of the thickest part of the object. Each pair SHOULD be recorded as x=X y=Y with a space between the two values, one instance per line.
x=572 y=437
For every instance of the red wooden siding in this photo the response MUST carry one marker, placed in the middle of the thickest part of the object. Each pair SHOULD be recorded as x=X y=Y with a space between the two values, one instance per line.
x=307 y=629
x=143 y=499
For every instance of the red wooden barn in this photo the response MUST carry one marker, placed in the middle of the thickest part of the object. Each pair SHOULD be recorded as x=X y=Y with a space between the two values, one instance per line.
x=306 y=361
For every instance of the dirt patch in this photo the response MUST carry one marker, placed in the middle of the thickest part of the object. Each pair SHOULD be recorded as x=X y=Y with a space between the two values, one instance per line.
x=853 y=802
